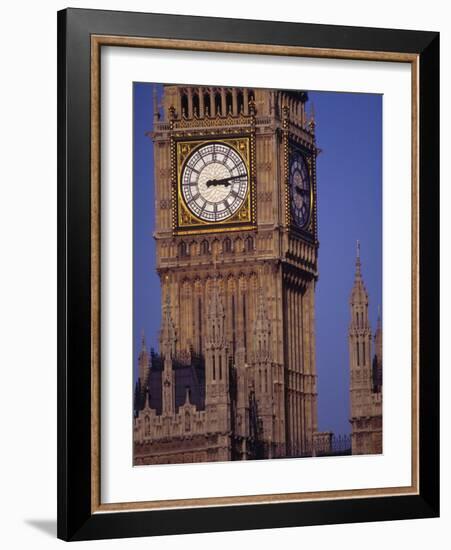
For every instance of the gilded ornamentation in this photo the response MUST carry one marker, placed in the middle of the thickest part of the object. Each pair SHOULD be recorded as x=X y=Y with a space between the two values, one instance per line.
x=212 y=122
x=186 y=221
x=247 y=283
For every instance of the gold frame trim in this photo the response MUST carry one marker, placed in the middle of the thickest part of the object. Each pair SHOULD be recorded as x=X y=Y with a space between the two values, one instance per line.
x=309 y=161
x=97 y=41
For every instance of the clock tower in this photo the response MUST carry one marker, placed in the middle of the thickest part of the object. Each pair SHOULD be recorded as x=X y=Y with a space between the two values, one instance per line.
x=236 y=243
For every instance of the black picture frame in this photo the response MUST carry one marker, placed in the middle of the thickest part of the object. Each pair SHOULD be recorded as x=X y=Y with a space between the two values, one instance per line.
x=76 y=521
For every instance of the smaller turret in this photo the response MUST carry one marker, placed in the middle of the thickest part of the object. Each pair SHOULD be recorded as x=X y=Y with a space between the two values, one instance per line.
x=168 y=340
x=366 y=404
x=143 y=368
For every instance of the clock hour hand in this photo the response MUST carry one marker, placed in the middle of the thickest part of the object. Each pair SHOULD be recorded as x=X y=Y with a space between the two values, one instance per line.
x=223 y=181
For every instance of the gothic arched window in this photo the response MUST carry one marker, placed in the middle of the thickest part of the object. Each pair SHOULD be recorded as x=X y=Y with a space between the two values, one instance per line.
x=358 y=354
x=196 y=104
x=183 y=249
x=204 y=247
x=184 y=105
x=187 y=421
x=229 y=102
x=147 y=426
x=249 y=244
x=207 y=102
x=218 y=103
x=227 y=245
x=240 y=101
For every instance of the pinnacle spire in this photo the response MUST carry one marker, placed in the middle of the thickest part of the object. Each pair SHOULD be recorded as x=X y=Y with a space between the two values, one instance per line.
x=168 y=333
x=312 y=111
x=262 y=328
x=358 y=293
x=143 y=341
x=358 y=263
x=187 y=395
x=215 y=313
x=312 y=122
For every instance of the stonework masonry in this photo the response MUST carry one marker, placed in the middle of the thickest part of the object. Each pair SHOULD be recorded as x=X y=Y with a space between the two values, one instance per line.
x=235 y=374
x=365 y=372
x=238 y=303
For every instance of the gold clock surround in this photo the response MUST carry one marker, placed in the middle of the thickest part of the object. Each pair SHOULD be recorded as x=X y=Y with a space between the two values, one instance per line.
x=308 y=153
x=184 y=221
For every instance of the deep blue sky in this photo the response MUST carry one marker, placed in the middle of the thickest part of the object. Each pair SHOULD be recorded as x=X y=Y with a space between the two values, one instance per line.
x=349 y=134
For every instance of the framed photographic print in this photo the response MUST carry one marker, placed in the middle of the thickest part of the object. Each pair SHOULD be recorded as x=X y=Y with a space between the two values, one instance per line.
x=248 y=274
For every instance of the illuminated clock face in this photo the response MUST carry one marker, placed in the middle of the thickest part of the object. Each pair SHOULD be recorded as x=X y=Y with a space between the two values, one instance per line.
x=300 y=190
x=215 y=182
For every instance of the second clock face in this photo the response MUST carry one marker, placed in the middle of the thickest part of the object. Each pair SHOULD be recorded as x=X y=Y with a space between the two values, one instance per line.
x=215 y=182
x=300 y=190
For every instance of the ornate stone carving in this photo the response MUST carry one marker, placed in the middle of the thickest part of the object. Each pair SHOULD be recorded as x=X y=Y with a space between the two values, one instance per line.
x=233 y=331
x=164 y=172
x=264 y=166
x=264 y=196
x=165 y=204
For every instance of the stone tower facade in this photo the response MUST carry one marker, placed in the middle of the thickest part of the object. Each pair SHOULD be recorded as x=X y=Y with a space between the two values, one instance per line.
x=365 y=372
x=236 y=367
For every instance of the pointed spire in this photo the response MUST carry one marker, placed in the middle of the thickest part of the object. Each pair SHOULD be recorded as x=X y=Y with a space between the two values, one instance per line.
x=215 y=313
x=187 y=395
x=143 y=365
x=143 y=341
x=312 y=122
x=262 y=328
x=358 y=264
x=147 y=399
x=168 y=335
x=358 y=293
